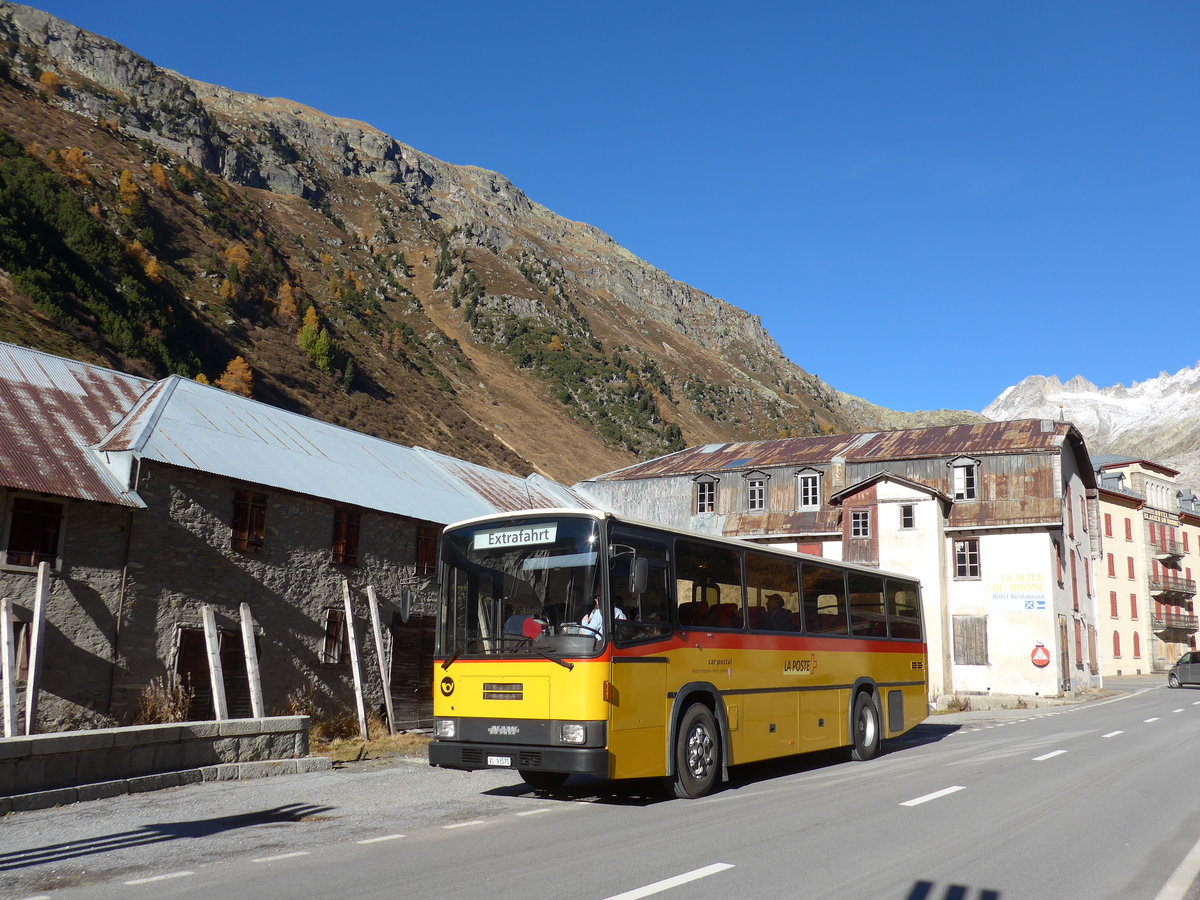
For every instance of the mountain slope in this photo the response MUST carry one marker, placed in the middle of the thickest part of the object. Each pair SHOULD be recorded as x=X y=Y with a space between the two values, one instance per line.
x=176 y=224
x=1157 y=419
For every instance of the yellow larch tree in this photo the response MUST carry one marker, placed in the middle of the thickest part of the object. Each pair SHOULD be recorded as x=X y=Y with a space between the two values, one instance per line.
x=237 y=378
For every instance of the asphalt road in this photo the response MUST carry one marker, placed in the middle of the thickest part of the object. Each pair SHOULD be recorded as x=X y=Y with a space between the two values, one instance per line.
x=1091 y=800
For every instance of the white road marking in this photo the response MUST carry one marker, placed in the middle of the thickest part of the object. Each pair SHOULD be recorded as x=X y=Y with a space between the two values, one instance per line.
x=1151 y=719
x=376 y=840
x=464 y=824
x=1049 y=755
x=281 y=856
x=667 y=883
x=534 y=812
x=1112 y=734
x=936 y=795
x=160 y=877
x=1177 y=710
x=1176 y=887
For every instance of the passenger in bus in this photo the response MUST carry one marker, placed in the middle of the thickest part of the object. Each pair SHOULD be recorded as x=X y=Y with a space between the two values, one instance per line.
x=595 y=619
x=778 y=618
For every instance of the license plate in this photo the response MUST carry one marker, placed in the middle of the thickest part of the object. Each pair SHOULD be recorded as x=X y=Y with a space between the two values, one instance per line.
x=500 y=761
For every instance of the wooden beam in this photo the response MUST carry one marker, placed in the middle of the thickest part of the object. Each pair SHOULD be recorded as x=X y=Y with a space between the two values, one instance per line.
x=251 y=653
x=8 y=666
x=384 y=668
x=37 y=637
x=355 y=662
x=212 y=641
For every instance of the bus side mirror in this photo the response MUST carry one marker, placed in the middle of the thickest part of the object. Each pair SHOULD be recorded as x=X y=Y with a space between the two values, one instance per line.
x=639 y=575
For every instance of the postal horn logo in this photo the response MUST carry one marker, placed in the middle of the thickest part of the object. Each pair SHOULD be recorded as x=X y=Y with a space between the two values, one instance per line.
x=447 y=686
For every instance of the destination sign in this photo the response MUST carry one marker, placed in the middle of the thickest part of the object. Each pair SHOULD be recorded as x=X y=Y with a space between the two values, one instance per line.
x=525 y=536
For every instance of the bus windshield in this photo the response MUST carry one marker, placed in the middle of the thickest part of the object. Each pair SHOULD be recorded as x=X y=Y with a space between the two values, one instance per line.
x=522 y=587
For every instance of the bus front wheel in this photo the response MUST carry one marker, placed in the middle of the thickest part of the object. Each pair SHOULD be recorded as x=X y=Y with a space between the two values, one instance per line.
x=864 y=727
x=697 y=753
x=543 y=781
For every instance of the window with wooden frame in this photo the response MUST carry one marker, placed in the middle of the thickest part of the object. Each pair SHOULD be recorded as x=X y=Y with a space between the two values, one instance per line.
x=970 y=640
x=34 y=532
x=860 y=523
x=1129 y=565
x=1112 y=566
x=964 y=478
x=966 y=559
x=1133 y=606
x=756 y=492
x=345 y=535
x=335 y=648
x=1128 y=529
x=1116 y=645
x=1108 y=525
x=908 y=516
x=705 y=494
x=1112 y=605
x=427 y=544
x=249 y=521
x=808 y=484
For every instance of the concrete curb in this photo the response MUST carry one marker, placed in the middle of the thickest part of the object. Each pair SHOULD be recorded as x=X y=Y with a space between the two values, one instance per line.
x=142 y=783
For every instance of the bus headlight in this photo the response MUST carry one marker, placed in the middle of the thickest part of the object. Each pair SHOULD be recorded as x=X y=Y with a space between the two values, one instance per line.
x=572 y=733
x=444 y=729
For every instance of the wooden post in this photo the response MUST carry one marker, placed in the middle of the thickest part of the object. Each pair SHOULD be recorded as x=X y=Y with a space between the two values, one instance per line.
x=8 y=666
x=384 y=673
x=355 y=663
x=251 y=653
x=37 y=631
x=212 y=640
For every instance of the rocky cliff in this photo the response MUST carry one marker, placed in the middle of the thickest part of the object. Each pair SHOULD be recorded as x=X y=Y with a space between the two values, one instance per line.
x=1157 y=419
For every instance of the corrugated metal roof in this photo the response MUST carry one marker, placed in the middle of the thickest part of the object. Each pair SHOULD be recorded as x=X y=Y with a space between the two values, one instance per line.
x=52 y=411
x=506 y=493
x=1019 y=436
x=184 y=423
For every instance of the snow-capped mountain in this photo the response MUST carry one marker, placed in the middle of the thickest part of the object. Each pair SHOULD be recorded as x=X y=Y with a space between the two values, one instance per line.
x=1157 y=419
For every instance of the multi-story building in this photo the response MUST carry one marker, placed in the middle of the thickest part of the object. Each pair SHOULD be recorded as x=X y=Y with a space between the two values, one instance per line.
x=1151 y=548
x=999 y=521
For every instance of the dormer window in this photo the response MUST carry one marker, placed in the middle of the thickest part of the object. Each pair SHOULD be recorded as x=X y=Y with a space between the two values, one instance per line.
x=964 y=480
x=705 y=494
x=808 y=486
x=756 y=491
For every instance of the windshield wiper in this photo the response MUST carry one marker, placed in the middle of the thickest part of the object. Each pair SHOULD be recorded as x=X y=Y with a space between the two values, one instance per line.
x=550 y=656
x=452 y=657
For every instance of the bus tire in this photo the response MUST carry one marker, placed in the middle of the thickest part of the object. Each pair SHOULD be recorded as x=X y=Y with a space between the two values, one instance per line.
x=697 y=753
x=543 y=781
x=864 y=727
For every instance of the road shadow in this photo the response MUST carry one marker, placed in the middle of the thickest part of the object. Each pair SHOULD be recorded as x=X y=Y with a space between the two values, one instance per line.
x=635 y=792
x=156 y=834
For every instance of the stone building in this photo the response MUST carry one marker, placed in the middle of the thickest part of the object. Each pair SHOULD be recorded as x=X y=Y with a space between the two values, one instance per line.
x=152 y=499
x=1145 y=577
x=998 y=520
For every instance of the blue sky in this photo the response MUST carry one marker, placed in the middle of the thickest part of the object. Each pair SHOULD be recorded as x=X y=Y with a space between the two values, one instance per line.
x=925 y=202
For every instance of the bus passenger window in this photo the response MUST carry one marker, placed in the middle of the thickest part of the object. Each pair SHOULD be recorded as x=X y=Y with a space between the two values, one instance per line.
x=868 y=617
x=772 y=593
x=824 y=599
x=708 y=585
x=904 y=611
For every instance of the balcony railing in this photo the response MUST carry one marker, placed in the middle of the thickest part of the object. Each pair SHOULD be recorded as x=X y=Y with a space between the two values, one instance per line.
x=1167 y=549
x=1175 y=621
x=1172 y=586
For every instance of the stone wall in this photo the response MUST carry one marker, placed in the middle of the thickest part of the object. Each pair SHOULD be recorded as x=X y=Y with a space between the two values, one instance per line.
x=51 y=769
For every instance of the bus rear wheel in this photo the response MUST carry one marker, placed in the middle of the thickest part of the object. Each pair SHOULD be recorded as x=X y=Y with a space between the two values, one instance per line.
x=543 y=781
x=864 y=727
x=697 y=753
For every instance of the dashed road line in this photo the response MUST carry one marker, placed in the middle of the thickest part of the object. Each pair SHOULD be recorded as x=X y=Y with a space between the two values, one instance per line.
x=534 y=812
x=154 y=878
x=381 y=839
x=1179 y=884
x=1112 y=734
x=464 y=824
x=668 y=883
x=291 y=855
x=1151 y=719
x=1050 y=755
x=936 y=795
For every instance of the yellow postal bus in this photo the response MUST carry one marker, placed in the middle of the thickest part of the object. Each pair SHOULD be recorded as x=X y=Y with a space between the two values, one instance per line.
x=578 y=642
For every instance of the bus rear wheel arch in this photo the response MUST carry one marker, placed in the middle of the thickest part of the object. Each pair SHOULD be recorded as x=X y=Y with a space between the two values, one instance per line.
x=865 y=726
x=697 y=753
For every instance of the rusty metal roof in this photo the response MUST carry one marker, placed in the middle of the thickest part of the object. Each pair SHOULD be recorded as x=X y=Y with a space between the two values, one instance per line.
x=1018 y=436
x=503 y=492
x=52 y=412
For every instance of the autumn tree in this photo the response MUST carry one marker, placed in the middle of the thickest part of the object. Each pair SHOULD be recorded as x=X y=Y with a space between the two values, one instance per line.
x=285 y=308
x=128 y=193
x=237 y=378
x=152 y=270
x=50 y=81
x=75 y=163
x=159 y=177
x=307 y=338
